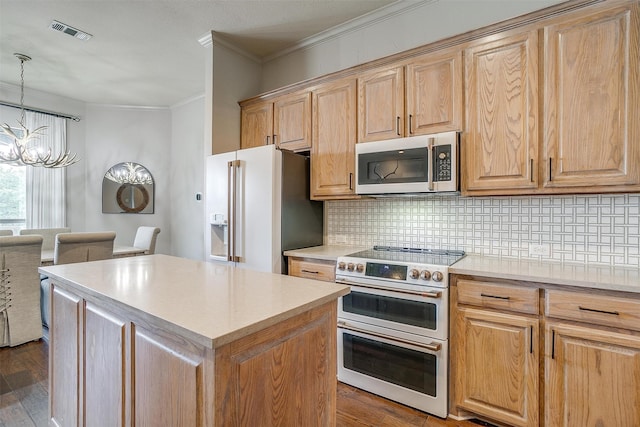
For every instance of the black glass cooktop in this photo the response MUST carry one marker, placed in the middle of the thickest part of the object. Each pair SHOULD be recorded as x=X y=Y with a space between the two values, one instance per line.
x=410 y=255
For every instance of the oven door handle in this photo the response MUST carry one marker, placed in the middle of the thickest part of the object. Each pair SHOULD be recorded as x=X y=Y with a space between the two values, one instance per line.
x=431 y=347
x=383 y=288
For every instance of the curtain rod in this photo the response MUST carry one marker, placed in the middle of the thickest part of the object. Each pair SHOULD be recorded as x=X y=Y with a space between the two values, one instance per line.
x=37 y=110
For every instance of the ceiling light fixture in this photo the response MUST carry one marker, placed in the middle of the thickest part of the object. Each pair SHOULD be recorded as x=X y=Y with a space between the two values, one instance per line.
x=20 y=153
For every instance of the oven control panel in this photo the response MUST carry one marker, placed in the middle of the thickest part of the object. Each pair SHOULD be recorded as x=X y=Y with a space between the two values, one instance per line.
x=354 y=268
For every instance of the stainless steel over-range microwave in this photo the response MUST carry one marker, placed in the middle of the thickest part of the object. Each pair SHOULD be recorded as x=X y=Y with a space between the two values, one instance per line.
x=417 y=164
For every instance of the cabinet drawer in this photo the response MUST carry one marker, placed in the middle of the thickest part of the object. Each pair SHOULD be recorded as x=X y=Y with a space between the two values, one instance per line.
x=312 y=269
x=499 y=296
x=597 y=309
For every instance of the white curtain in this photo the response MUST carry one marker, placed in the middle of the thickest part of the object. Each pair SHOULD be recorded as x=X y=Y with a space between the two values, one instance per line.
x=46 y=187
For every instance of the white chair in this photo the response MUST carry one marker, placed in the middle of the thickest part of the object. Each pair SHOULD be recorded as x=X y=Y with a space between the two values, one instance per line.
x=6 y=233
x=20 y=320
x=146 y=239
x=76 y=247
x=48 y=235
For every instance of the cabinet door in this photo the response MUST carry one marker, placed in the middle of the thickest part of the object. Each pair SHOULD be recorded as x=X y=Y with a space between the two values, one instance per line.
x=106 y=368
x=497 y=366
x=168 y=382
x=381 y=105
x=256 y=125
x=292 y=122
x=334 y=140
x=592 y=377
x=500 y=149
x=434 y=94
x=65 y=361
x=592 y=89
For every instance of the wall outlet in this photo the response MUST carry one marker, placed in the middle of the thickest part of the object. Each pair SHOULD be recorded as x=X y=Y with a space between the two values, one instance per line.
x=341 y=240
x=540 y=250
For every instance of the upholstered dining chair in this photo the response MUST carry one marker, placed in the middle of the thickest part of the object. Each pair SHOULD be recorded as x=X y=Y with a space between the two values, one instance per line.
x=146 y=239
x=76 y=247
x=6 y=233
x=20 y=320
x=48 y=235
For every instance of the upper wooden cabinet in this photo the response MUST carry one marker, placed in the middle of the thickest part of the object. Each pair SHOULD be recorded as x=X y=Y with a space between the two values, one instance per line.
x=500 y=146
x=381 y=104
x=334 y=140
x=592 y=114
x=589 y=98
x=432 y=94
x=256 y=123
x=284 y=121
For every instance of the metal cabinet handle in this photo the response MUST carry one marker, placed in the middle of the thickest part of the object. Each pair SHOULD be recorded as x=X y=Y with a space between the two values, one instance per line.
x=410 y=120
x=531 y=170
x=593 y=310
x=431 y=347
x=398 y=125
x=274 y=139
x=267 y=143
x=553 y=344
x=310 y=272
x=531 y=339
x=350 y=181
x=495 y=296
x=550 y=168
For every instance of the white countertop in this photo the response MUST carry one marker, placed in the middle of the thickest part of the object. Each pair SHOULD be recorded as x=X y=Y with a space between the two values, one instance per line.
x=581 y=275
x=325 y=252
x=215 y=303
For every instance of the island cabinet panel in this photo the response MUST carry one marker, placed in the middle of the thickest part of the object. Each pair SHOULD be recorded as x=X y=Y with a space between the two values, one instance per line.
x=501 y=142
x=65 y=358
x=592 y=99
x=592 y=377
x=499 y=357
x=105 y=373
x=168 y=383
x=283 y=375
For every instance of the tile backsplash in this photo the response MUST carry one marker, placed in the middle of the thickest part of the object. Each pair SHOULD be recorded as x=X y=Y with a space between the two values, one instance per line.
x=595 y=229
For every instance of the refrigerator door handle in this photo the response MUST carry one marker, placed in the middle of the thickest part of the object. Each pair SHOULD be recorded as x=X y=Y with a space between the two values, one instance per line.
x=232 y=209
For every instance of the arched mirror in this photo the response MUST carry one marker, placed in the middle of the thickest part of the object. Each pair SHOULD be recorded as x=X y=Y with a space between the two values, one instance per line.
x=127 y=188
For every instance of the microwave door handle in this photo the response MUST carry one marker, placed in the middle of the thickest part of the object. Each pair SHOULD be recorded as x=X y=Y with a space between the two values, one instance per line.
x=431 y=161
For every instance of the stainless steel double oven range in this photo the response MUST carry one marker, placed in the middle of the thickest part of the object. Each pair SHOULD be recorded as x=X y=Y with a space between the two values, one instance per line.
x=393 y=328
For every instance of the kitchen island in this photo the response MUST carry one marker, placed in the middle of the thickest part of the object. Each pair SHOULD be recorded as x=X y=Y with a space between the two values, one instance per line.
x=159 y=340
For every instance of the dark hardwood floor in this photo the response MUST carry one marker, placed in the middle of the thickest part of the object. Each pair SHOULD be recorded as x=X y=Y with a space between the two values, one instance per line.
x=23 y=396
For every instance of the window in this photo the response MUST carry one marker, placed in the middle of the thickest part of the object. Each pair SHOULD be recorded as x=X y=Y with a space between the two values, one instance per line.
x=13 y=191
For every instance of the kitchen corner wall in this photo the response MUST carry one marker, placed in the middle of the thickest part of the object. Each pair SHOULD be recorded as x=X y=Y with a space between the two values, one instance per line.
x=594 y=229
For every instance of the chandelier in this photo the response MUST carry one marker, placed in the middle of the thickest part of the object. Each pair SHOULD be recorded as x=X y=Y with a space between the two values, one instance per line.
x=129 y=173
x=22 y=152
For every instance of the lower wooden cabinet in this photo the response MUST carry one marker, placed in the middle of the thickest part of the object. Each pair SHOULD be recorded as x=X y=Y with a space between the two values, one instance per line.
x=572 y=361
x=592 y=377
x=496 y=353
x=312 y=269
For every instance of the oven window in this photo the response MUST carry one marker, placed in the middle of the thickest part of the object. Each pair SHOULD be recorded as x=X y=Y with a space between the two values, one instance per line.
x=397 y=365
x=407 y=312
x=398 y=166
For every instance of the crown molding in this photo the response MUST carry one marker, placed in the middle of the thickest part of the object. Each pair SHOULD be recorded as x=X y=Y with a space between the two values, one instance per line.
x=379 y=15
x=215 y=39
x=187 y=101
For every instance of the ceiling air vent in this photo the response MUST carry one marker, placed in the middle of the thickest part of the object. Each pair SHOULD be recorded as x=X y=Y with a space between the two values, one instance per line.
x=64 y=28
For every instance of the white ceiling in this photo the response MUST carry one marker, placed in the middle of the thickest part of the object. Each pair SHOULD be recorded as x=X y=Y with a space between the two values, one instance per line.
x=146 y=52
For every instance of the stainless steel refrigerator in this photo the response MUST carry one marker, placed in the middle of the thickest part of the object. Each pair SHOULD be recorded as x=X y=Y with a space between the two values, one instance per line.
x=257 y=206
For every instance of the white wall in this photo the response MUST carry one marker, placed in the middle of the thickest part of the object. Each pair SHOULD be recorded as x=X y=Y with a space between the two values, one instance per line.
x=128 y=134
x=418 y=24
x=186 y=176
